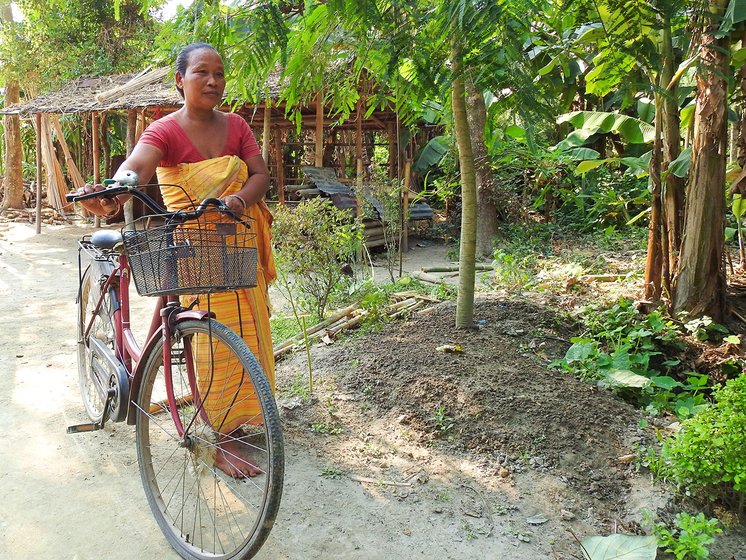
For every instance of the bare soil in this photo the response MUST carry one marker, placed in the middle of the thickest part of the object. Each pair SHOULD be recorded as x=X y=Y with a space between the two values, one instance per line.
x=404 y=451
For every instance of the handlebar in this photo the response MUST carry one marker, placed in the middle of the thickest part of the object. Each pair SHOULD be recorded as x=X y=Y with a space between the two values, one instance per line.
x=127 y=186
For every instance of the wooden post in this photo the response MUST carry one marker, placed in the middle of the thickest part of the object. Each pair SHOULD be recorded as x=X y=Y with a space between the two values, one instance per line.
x=267 y=129
x=405 y=205
x=280 y=167
x=393 y=149
x=37 y=116
x=96 y=170
x=319 y=130
x=129 y=213
x=359 y=144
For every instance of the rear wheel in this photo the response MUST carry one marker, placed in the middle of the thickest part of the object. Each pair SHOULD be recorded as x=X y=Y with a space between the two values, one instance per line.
x=93 y=375
x=204 y=512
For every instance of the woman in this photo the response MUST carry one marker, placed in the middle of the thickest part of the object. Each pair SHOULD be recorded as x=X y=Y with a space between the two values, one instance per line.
x=213 y=154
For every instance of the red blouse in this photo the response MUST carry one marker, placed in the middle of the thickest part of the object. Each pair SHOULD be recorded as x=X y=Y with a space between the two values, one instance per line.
x=167 y=135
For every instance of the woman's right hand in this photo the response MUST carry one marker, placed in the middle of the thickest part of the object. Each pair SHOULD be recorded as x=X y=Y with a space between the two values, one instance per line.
x=101 y=206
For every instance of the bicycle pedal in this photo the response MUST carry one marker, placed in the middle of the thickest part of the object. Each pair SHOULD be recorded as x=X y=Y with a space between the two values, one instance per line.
x=79 y=428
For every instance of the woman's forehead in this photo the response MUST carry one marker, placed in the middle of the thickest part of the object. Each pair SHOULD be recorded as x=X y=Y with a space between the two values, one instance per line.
x=204 y=56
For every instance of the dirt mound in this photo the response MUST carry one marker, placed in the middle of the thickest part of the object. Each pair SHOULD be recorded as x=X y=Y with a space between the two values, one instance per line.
x=503 y=402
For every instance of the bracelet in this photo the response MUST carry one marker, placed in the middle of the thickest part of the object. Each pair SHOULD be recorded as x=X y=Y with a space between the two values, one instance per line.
x=243 y=202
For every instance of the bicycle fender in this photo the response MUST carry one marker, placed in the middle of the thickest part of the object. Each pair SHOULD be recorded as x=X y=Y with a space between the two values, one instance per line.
x=188 y=314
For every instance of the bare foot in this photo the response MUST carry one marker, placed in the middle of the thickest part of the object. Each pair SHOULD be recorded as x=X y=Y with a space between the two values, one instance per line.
x=232 y=457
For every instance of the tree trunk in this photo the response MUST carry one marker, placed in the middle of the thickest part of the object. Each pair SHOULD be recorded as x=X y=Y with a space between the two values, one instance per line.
x=468 y=244
x=486 y=204
x=699 y=286
x=13 y=180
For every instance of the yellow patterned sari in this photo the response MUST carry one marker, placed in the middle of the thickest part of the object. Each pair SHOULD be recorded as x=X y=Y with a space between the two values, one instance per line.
x=245 y=312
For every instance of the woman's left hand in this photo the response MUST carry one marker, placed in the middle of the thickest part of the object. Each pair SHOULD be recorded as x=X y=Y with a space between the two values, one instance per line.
x=235 y=204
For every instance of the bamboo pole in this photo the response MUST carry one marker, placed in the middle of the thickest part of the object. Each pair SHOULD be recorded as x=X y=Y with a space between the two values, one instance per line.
x=38 y=172
x=72 y=170
x=96 y=170
x=319 y=162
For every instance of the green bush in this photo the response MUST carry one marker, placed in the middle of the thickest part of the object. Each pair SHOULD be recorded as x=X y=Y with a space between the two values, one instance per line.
x=690 y=537
x=708 y=455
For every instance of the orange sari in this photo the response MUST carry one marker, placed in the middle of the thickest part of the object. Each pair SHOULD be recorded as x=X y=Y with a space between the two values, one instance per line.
x=247 y=315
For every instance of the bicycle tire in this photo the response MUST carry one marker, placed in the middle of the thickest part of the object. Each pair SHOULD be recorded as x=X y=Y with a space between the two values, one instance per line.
x=91 y=391
x=203 y=512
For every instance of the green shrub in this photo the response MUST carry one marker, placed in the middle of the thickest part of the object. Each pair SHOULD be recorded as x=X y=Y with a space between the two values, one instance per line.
x=708 y=455
x=690 y=537
x=312 y=241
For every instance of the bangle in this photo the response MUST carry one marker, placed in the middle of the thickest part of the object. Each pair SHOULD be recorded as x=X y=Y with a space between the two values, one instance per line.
x=243 y=202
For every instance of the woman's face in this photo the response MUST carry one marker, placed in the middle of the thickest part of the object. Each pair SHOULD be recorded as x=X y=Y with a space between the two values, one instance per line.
x=203 y=82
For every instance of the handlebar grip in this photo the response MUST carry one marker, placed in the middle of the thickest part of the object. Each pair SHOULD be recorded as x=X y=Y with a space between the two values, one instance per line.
x=108 y=193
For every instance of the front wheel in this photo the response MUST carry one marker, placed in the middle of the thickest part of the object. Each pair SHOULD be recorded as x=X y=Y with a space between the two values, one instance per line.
x=219 y=403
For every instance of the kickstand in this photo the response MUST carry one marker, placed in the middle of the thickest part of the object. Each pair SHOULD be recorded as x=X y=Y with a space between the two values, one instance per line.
x=95 y=425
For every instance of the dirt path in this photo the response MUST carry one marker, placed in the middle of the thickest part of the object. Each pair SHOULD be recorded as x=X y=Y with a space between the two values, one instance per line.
x=529 y=457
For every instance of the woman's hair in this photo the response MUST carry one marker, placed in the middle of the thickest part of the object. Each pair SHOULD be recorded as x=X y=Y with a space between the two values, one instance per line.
x=182 y=60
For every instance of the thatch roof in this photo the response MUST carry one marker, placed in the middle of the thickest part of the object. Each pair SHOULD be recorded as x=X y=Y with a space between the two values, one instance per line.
x=151 y=88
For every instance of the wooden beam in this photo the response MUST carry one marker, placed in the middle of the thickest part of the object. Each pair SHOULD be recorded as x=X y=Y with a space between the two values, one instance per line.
x=38 y=172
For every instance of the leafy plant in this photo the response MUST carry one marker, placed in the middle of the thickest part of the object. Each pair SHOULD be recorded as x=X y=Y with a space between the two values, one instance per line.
x=442 y=421
x=625 y=351
x=708 y=455
x=704 y=328
x=330 y=424
x=312 y=241
x=690 y=536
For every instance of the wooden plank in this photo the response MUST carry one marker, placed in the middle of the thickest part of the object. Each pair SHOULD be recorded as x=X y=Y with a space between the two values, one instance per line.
x=38 y=172
x=96 y=149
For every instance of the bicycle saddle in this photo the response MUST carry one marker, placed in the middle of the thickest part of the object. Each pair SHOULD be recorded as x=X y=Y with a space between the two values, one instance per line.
x=106 y=238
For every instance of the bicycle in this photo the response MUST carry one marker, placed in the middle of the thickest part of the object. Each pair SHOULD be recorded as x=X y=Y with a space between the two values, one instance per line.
x=180 y=387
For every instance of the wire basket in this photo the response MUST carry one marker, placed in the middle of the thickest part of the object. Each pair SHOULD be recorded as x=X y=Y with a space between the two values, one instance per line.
x=198 y=257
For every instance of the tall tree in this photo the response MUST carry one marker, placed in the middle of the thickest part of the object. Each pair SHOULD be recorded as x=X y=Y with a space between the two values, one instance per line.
x=699 y=285
x=13 y=180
